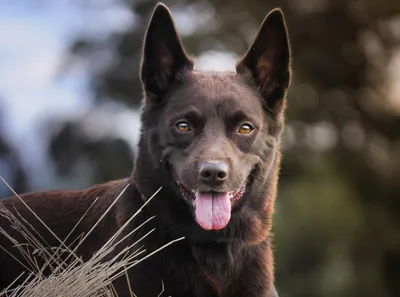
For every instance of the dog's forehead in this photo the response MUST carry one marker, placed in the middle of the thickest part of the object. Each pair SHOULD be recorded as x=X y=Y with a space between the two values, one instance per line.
x=212 y=88
x=215 y=85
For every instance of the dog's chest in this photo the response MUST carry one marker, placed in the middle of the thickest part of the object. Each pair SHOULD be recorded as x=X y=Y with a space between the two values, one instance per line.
x=217 y=266
x=202 y=271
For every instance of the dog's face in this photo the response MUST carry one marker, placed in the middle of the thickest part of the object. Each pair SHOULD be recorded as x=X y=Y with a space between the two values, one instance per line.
x=214 y=136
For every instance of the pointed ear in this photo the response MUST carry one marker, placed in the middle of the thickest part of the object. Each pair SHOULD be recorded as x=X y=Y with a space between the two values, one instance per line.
x=268 y=60
x=163 y=54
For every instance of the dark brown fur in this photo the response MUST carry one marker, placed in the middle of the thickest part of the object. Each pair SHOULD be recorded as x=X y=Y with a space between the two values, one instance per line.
x=234 y=261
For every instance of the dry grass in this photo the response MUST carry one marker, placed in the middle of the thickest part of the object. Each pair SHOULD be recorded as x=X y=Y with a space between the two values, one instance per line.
x=70 y=276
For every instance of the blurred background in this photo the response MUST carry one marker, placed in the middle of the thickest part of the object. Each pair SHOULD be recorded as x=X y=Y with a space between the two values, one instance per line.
x=69 y=99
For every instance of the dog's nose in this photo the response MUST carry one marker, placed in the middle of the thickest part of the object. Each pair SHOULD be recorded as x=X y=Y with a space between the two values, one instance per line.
x=213 y=173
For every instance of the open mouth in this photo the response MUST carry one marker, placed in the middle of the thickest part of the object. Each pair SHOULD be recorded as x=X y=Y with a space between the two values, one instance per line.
x=190 y=195
x=212 y=209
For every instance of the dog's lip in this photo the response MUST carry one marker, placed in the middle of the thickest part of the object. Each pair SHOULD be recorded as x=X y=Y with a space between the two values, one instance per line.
x=190 y=194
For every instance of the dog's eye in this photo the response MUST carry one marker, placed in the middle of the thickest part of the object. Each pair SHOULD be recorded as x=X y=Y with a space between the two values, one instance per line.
x=183 y=126
x=245 y=129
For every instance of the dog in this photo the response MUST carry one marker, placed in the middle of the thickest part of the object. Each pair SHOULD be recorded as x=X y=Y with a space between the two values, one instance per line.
x=211 y=142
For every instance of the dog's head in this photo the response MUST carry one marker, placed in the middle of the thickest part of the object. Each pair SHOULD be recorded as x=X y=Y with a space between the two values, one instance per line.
x=212 y=139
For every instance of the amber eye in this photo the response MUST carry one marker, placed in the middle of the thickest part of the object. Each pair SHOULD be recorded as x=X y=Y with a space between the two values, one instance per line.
x=245 y=129
x=183 y=126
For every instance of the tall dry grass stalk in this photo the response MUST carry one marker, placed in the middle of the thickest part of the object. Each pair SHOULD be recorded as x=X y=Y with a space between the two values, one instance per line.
x=70 y=276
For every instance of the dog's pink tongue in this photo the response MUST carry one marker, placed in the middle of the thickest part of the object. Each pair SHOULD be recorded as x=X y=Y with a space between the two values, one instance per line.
x=213 y=210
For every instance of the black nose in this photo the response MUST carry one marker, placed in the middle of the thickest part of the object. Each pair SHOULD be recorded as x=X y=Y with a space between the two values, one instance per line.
x=213 y=173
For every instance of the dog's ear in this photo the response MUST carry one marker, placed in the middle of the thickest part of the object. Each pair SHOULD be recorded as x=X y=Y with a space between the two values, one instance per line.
x=163 y=54
x=268 y=60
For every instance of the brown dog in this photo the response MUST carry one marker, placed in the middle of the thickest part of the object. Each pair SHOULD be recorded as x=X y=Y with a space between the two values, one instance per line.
x=212 y=142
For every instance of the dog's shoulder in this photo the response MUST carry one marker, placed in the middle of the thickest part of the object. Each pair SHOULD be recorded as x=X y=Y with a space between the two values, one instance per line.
x=105 y=191
x=65 y=206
